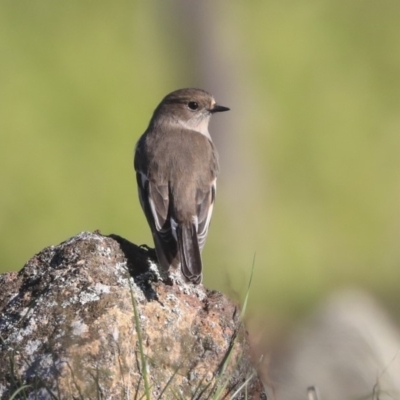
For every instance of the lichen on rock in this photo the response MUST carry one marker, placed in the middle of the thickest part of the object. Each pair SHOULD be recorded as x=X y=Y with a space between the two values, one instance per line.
x=68 y=328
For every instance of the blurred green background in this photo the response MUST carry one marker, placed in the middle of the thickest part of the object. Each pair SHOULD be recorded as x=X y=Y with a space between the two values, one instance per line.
x=310 y=180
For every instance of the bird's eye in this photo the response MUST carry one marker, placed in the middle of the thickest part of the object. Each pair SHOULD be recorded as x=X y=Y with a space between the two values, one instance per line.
x=193 y=105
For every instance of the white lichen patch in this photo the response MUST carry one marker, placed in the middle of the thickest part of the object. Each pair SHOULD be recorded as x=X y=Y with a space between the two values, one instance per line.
x=105 y=251
x=172 y=298
x=79 y=328
x=32 y=346
x=86 y=297
x=27 y=331
x=176 y=277
x=83 y=236
x=177 y=311
x=121 y=272
x=100 y=288
x=187 y=288
x=42 y=394
x=158 y=273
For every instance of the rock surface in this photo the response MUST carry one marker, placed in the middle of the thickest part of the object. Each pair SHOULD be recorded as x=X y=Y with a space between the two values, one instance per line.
x=68 y=330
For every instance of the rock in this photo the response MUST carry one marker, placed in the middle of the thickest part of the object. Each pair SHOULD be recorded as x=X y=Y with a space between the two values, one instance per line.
x=68 y=330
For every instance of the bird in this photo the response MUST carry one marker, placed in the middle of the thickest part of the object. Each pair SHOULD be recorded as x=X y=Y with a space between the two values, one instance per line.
x=176 y=166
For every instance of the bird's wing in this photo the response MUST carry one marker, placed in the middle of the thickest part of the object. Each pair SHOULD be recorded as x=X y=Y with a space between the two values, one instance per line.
x=154 y=199
x=155 y=202
x=205 y=203
x=153 y=195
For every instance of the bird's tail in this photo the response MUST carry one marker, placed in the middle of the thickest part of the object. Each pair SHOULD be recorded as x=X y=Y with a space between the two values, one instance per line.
x=166 y=250
x=189 y=250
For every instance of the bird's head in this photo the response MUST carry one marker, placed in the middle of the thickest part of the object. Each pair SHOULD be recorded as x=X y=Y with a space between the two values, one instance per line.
x=190 y=108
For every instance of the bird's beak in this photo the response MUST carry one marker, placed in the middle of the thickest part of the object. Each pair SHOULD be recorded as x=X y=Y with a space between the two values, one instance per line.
x=218 y=108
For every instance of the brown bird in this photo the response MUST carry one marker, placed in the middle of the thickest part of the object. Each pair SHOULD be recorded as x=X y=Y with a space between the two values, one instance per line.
x=176 y=167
